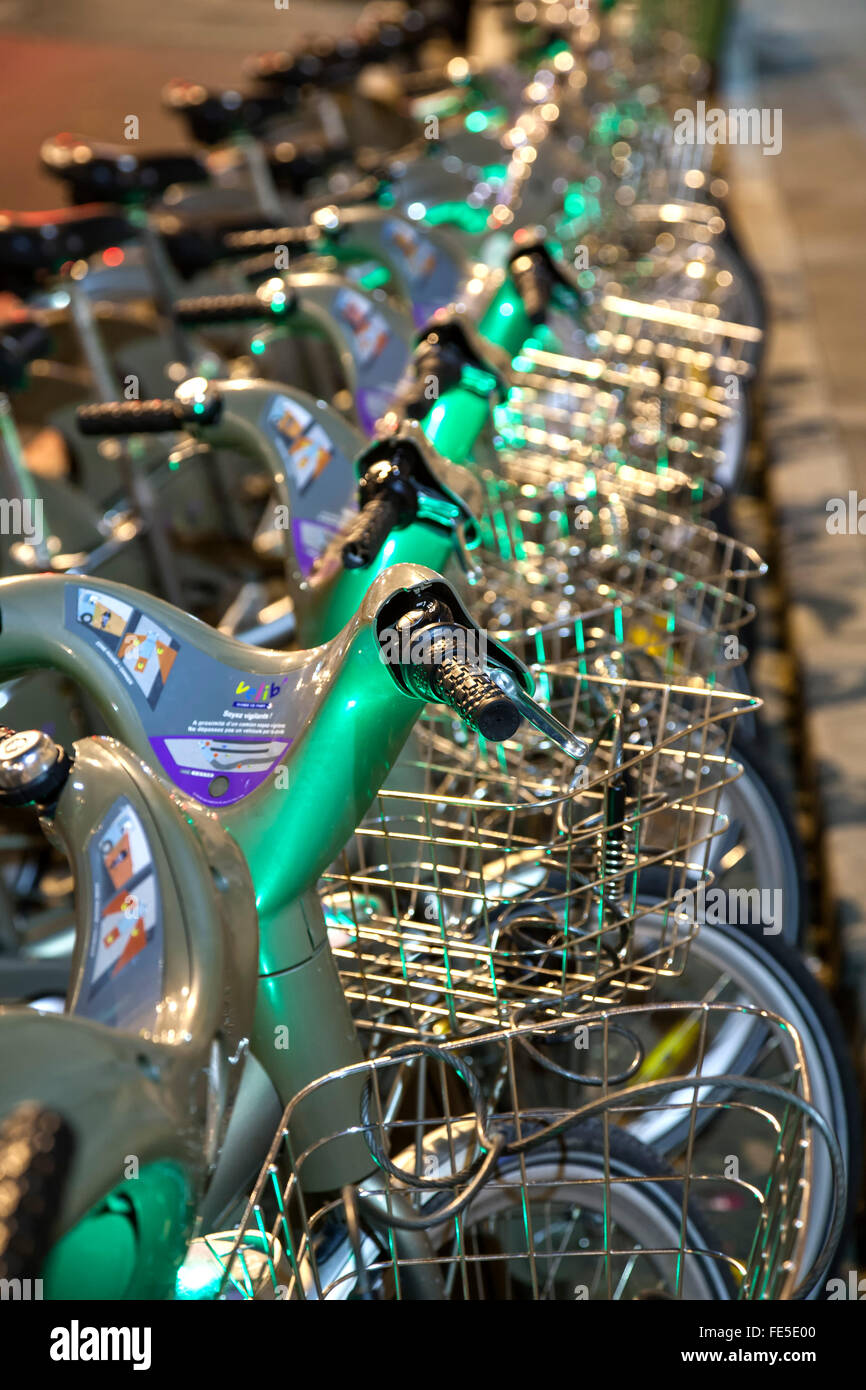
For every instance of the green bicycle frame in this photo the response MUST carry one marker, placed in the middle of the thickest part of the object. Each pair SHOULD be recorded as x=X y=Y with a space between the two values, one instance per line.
x=291 y=749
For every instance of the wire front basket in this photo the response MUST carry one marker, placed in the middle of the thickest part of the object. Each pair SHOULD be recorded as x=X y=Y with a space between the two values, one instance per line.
x=489 y=882
x=652 y=384
x=515 y=1167
x=538 y=457
x=581 y=567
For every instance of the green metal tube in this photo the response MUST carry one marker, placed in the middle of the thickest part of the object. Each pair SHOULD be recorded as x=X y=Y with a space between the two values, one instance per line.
x=291 y=1043
x=456 y=421
x=505 y=322
x=328 y=607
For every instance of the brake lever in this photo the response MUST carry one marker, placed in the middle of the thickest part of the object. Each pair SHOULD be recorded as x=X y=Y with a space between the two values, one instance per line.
x=474 y=574
x=541 y=719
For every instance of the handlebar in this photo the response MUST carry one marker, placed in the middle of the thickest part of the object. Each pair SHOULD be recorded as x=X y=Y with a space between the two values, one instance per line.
x=244 y=243
x=148 y=417
x=36 y=1149
x=231 y=308
x=534 y=283
x=388 y=501
x=369 y=530
x=214 y=116
x=436 y=658
x=536 y=276
x=474 y=697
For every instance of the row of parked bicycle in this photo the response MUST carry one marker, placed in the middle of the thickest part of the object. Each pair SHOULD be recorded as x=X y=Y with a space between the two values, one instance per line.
x=411 y=912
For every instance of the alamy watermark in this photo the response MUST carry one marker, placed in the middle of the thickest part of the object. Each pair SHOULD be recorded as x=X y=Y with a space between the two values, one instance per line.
x=20 y=1290
x=22 y=518
x=77 y=1343
x=402 y=647
x=846 y=516
x=736 y=907
x=752 y=125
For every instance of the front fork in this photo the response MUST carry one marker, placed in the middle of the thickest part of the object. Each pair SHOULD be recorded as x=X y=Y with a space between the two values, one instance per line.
x=303 y=1029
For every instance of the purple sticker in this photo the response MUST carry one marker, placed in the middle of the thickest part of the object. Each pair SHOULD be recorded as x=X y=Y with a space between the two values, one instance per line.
x=310 y=537
x=371 y=403
x=219 y=770
x=423 y=311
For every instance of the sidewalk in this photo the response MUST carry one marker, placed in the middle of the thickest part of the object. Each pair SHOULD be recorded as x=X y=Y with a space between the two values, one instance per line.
x=802 y=216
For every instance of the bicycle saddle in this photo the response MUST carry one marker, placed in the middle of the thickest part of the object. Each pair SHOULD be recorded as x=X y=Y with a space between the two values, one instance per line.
x=213 y=115
x=330 y=62
x=36 y=243
x=160 y=1005
x=195 y=239
x=93 y=170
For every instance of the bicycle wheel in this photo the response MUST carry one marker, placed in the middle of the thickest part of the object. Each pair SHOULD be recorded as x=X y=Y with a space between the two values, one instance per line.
x=570 y=1221
x=760 y=849
x=740 y=965
x=741 y=968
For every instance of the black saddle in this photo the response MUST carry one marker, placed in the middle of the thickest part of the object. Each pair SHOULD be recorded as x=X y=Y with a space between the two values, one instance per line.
x=213 y=116
x=36 y=244
x=97 y=172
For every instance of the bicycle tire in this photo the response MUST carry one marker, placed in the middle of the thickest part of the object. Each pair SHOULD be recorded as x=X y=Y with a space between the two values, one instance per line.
x=574 y=1156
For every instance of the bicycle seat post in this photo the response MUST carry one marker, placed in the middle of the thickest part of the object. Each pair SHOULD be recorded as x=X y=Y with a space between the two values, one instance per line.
x=265 y=189
x=128 y=455
x=18 y=484
x=166 y=286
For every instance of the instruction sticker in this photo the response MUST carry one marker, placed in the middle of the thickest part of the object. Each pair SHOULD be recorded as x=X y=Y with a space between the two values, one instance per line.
x=217 y=731
x=369 y=329
x=321 y=482
x=432 y=276
x=146 y=651
x=304 y=447
x=123 y=972
x=417 y=253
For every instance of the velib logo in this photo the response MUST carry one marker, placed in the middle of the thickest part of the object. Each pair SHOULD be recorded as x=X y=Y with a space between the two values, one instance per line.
x=76 y=1343
x=738 y=126
x=257 y=696
x=22 y=518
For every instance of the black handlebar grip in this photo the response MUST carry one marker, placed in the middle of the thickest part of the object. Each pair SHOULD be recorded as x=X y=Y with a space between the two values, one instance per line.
x=534 y=283
x=435 y=358
x=214 y=115
x=476 y=698
x=146 y=417
x=36 y=1149
x=220 y=308
x=267 y=238
x=295 y=164
x=257 y=269
x=369 y=530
